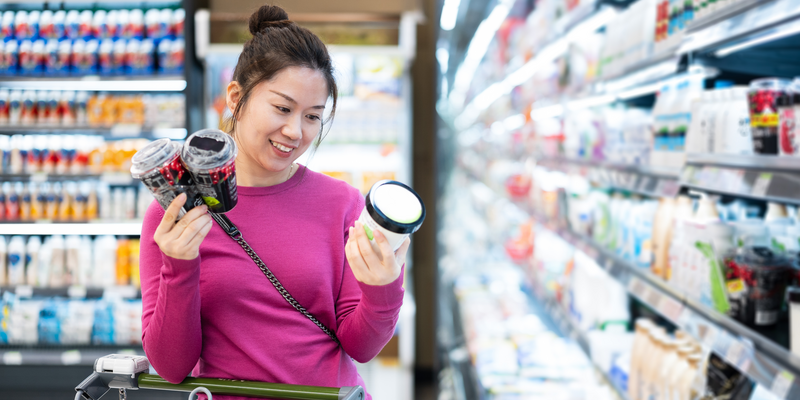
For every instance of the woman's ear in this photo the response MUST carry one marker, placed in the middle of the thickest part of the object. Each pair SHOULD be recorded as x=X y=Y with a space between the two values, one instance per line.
x=234 y=94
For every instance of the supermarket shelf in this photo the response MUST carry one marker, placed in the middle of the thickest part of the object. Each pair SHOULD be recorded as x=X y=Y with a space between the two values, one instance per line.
x=748 y=22
x=73 y=292
x=70 y=228
x=171 y=83
x=61 y=355
x=570 y=329
x=755 y=355
x=768 y=178
x=112 y=178
x=644 y=180
x=728 y=12
x=118 y=131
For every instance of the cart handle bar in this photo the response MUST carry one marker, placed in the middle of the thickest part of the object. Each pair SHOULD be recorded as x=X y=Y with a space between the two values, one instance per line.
x=254 y=389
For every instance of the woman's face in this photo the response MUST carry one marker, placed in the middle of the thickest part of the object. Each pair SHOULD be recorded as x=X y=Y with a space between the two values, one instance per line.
x=280 y=120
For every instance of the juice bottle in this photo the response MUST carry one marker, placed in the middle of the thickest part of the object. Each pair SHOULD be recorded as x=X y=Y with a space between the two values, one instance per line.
x=640 y=343
x=133 y=245
x=123 y=263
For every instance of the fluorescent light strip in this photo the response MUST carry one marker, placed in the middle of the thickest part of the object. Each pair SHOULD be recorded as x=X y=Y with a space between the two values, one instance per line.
x=526 y=72
x=786 y=30
x=122 y=229
x=477 y=50
x=449 y=14
x=133 y=85
x=640 y=91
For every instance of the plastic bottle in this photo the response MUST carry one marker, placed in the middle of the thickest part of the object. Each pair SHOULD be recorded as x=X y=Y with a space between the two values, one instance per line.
x=697 y=135
x=676 y=239
x=123 y=264
x=661 y=125
x=57 y=261
x=12 y=202
x=32 y=260
x=45 y=259
x=105 y=261
x=84 y=262
x=72 y=259
x=16 y=261
x=735 y=136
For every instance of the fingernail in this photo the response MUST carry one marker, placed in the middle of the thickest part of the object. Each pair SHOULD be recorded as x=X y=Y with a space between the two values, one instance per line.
x=182 y=196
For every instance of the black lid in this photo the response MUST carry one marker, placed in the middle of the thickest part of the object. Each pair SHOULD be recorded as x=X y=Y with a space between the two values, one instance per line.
x=387 y=223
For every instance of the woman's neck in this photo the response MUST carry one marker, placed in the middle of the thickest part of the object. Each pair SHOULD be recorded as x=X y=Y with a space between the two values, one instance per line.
x=248 y=174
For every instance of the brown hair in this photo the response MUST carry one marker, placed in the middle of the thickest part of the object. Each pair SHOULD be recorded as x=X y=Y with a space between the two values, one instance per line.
x=279 y=43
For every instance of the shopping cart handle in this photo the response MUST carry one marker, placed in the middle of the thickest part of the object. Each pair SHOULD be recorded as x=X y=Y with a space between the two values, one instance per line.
x=253 y=389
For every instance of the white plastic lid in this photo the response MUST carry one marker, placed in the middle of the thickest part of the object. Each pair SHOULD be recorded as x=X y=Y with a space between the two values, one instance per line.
x=397 y=203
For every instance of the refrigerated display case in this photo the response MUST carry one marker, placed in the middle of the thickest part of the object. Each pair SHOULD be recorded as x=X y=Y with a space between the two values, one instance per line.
x=644 y=137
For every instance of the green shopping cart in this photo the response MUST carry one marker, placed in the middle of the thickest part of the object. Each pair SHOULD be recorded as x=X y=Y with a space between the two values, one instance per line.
x=125 y=372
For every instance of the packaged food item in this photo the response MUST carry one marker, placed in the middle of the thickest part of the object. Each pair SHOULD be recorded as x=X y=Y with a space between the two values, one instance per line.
x=59 y=24
x=123 y=264
x=15 y=107
x=144 y=61
x=32 y=261
x=16 y=261
x=85 y=27
x=130 y=65
x=394 y=209
x=152 y=24
x=39 y=56
x=27 y=60
x=51 y=200
x=10 y=57
x=165 y=22
x=34 y=17
x=104 y=273
x=756 y=283
x=100 y=25
x=81 y=108
x=4 y=106
x=119 y=57
x=725 y=381
x=22 y=30
x=133 y=250
x=92 y=204
x=38 y=200
x=7 y=26
x=72 y=259
x=788 y=139
x=72 y=25
x=136 y=25
x=58 y=261
x=210 y=157
x=40 y=107
x=764 y=120
x=64 y=58
x=12 y=201
x=105 y=54
x=64 y=203
x=164 y=51
x=66 y=106
x=178 y=21
x=46 y=28
x=25 y=202
x=159 y=167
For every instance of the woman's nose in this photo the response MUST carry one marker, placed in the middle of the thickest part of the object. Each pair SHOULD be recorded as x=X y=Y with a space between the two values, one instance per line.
x=293 y=128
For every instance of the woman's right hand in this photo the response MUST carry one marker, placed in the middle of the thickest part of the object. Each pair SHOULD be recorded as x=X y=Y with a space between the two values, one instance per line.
x=182 y=240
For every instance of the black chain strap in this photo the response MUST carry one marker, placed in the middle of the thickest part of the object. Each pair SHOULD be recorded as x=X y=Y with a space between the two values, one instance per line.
x=229 y=228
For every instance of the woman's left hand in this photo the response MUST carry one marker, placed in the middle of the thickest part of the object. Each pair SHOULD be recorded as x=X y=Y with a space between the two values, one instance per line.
x=371 y=267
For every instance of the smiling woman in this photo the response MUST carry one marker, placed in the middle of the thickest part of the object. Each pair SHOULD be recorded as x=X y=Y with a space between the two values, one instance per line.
x=302 y=225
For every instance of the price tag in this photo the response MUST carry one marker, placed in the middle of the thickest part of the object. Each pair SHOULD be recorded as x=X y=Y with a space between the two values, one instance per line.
x=71 y=357
x=12 y=358
x=735 y=353
x=670 y=308
x=782 y=383
x=761 y=184
x=636 y=287
x=76 y=292
x=734 y=180
x=669 y=188
x=652 y=297
x=24 y=291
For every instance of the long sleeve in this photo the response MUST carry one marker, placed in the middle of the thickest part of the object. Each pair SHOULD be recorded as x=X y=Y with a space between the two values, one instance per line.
x=171 y=330
x=366 y=315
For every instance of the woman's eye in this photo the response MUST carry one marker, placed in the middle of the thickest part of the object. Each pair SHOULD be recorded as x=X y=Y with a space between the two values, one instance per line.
x=283 y=109
x=313 y=117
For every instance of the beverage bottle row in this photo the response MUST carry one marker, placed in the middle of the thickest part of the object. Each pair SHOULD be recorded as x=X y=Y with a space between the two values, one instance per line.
x=66 y=154
x=75 y=24
x=664 y=366
x=53 y=58
x=110 y=321
x=78 y=109
x=71 y=202
x=58 y=261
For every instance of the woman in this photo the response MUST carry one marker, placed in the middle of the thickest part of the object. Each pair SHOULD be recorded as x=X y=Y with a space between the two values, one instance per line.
x=208 y=309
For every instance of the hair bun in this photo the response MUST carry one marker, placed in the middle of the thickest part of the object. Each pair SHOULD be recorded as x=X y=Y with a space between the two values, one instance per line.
x=265 y=16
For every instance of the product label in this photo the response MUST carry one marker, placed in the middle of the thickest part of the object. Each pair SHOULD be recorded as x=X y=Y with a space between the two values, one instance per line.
x=770 y=120
x=788 y=141
x=735 y=286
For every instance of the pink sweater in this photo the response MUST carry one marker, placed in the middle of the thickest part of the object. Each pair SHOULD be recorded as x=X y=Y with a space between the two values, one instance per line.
x=218 y=316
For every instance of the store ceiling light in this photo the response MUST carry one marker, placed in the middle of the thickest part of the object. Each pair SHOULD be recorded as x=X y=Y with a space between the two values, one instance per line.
x=449 y=14
x=779 y=33
x=477 y=49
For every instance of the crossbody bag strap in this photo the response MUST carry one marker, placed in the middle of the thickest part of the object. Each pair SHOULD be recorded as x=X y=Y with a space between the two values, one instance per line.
x=229 y=228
